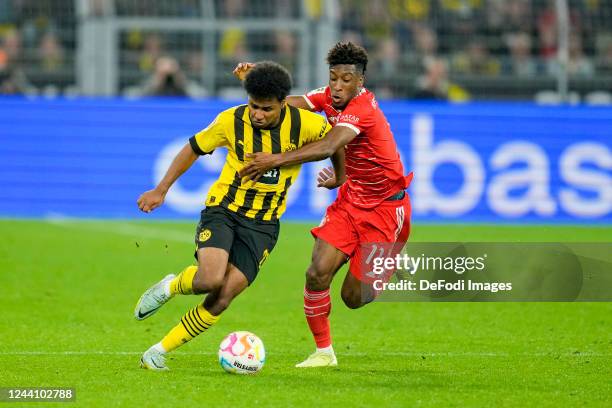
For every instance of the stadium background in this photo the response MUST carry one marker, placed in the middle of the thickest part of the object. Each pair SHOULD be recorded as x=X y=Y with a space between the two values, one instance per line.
x=527 y=159
x=502 y=109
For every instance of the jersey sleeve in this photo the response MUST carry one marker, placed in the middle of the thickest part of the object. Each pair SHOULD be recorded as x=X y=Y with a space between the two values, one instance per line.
x=357 y=116
x=207 y=140
x=316 y=99
x=317 y=128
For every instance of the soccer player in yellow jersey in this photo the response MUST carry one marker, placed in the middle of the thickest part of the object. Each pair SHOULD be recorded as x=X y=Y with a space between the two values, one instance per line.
x=239 y=226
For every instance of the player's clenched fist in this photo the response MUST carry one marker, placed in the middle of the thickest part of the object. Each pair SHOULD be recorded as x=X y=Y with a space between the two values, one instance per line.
x=327 y=178
x=150 y=200
x=242 y=69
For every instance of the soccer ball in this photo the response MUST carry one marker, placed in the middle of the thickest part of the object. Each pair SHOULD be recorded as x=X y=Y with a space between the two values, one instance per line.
x=242 y=352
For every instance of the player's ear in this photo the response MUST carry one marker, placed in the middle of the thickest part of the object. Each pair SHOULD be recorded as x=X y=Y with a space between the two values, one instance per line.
x=361 y=80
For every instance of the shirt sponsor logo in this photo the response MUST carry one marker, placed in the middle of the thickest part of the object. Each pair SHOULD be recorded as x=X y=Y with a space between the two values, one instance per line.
x=348 y=118
x=271 y=176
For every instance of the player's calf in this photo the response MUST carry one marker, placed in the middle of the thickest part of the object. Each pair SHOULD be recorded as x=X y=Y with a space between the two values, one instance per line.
x=356 y=294
x=352 y=300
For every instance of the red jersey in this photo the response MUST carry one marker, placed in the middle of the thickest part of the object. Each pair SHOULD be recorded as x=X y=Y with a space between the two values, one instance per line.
x=373 y=168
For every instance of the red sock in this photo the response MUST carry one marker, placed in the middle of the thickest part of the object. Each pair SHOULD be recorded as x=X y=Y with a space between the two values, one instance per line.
x=317 y=306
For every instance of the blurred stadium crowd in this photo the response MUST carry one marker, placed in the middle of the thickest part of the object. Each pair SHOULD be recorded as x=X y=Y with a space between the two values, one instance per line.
x=442 y=49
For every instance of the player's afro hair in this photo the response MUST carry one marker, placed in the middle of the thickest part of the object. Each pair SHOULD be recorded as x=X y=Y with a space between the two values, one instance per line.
x=348 y=53
x=268 y=79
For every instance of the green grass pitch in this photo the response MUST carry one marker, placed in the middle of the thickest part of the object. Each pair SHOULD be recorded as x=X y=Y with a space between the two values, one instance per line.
x=69 y=288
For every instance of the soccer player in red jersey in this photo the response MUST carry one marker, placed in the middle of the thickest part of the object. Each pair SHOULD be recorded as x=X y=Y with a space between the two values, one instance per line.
x=372 y=205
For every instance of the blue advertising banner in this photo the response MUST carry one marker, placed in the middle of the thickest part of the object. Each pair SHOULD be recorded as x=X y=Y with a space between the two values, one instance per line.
x=476 y=162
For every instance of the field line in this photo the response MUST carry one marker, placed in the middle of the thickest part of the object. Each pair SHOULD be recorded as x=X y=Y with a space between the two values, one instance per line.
x=350 y=354
x=122 y=228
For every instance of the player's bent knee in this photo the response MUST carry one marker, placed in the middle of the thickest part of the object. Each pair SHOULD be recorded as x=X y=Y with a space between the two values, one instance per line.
x=317 y=279
x=204 y=282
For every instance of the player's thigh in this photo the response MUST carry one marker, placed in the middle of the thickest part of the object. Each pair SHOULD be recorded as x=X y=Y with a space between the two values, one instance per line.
x=326 y=261
x=384 y=231
x=234 y=283
x=214 y=238
x=335 y=240
x=336 y=229
x=212 y=263
x=253 y=243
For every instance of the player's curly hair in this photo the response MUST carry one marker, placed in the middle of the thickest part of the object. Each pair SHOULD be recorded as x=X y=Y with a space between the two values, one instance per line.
x=268 y=79
x=348 y=53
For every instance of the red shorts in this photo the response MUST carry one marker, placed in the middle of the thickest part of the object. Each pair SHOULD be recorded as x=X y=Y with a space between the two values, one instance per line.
x=352 y=230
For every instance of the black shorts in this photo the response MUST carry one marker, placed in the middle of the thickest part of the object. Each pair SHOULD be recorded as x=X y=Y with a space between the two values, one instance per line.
x=248 y=242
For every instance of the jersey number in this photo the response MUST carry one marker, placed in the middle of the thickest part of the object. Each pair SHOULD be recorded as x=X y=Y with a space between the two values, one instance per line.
x=271 y=176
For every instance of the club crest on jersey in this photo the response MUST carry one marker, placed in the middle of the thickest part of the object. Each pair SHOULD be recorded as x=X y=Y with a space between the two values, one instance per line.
x=290 y=147
x=205 y=235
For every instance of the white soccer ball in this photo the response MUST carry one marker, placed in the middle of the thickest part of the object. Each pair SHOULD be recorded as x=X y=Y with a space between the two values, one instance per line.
x=242 y=352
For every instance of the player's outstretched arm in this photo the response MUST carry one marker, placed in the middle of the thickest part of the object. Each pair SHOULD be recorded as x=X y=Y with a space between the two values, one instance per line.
x=150 y=200
x=259 y=163
x=297 y=101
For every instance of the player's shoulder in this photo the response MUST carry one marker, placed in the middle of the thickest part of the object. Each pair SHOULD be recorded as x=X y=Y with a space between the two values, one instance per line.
x=229 y=113
x=309 y=118
x=361 y=107
x=313 y=125
x=366 y=100
x=305 y=114
x=323 y=91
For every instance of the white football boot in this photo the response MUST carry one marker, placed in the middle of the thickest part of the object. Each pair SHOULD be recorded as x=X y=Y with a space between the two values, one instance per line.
x=319 y=359
x=154 y=298
x=153 y=359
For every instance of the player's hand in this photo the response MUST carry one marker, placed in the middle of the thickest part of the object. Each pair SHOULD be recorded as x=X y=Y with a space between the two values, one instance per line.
x=258 y=164
x=242 y=69
x=327 y=178
x=150 y=200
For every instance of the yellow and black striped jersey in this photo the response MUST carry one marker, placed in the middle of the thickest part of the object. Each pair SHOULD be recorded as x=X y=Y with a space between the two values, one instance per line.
x=264 y=200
